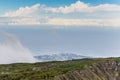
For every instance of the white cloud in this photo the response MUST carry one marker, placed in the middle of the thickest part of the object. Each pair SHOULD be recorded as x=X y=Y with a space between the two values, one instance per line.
x=84 y=8
x=85 y=22
x=36 y=15
x=79 y=7
x=23 y=20
x=75 y=7
x=56 y=22
x=23 y=11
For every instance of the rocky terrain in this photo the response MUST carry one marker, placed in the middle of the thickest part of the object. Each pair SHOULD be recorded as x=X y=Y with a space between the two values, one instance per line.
x=80 y=69
x=107 y=70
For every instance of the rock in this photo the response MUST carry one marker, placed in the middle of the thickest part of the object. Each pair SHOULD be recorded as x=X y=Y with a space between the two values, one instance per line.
x=107 y=70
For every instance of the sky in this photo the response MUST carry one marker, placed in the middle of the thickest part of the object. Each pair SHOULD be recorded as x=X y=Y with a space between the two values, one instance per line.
x=54 y=12
x=92 y=42
x=85 y=27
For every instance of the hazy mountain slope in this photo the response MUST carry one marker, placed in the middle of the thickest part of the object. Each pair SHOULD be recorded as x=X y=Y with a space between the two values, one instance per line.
x=59 y=57
x=85 y=69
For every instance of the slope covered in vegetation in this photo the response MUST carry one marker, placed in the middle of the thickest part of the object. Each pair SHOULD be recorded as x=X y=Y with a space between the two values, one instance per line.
x=84 y=69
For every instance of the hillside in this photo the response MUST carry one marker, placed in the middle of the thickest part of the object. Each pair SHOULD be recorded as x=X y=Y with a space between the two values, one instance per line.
x=84 y=69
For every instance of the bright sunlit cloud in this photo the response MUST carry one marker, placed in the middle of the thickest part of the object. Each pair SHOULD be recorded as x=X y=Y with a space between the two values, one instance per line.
x=38 y=14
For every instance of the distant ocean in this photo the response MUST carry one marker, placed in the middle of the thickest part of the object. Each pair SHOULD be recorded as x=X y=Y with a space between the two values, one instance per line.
x=87 y=41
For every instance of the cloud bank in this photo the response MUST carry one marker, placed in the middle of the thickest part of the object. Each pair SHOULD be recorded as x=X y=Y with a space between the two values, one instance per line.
x=12 y=51
x=23 y=11
x=84 y=8
x=78 y=14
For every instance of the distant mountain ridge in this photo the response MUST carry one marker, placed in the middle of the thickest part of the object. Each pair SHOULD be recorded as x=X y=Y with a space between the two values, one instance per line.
x=59 y=57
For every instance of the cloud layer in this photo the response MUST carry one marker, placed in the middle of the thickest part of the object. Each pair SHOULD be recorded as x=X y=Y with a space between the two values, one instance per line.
x=84 y=8
x=23 y=11
x=99 y=15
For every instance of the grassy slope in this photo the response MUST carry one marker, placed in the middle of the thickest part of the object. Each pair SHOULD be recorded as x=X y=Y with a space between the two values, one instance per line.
x=45 y=70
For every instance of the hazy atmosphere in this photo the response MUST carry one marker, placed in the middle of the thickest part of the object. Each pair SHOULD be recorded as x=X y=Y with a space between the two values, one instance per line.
x=83 y=27
x=95 y=41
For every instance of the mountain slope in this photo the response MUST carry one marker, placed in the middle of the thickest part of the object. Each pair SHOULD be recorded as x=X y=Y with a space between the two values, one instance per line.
x=59 y=57
x=84 y=69
x=108 y=70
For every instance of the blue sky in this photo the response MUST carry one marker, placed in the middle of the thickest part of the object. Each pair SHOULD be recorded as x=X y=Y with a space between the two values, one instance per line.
x=15 y=4
x=97 y=12
x=96 y=2
x=6 y=5
x=86 y=27
x=94 y=42
x=53 y=12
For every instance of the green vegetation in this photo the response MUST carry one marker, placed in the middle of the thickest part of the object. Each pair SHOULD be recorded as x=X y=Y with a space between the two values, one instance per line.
x=47 y=70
